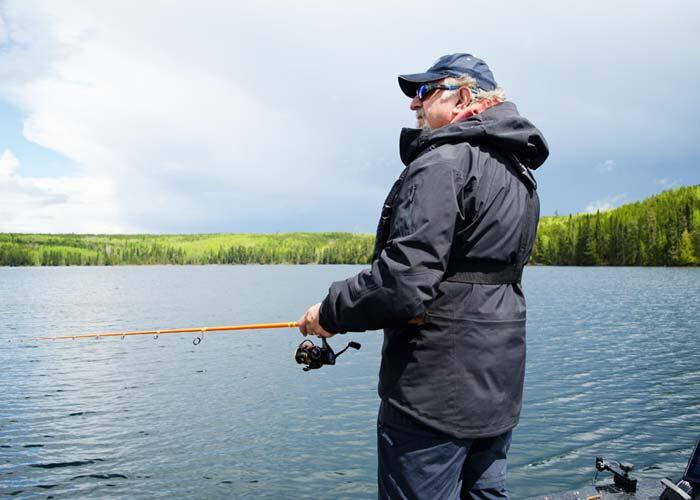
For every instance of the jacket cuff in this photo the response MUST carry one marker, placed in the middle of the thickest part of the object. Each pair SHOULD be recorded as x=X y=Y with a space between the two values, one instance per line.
x=325 y=317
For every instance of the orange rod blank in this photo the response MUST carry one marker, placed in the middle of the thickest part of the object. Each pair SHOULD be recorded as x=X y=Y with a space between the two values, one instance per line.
x=255 y=326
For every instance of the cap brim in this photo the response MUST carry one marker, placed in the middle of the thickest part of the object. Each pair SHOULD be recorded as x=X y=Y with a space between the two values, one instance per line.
x=409 y=83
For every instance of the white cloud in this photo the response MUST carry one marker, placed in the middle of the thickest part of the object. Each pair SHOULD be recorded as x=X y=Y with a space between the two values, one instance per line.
x=8 y=163
x=3 y=32
x=183 y=138
x=605 y=204
x=55 y=204
x=266 y=116
x=606 y=166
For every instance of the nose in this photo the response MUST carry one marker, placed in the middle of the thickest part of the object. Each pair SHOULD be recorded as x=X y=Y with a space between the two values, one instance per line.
x=415 y=104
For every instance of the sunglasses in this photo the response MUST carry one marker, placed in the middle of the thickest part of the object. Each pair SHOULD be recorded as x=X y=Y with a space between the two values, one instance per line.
x=427 y=88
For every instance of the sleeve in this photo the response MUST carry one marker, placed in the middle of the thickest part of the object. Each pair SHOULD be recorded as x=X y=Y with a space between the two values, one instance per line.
x=404 y=279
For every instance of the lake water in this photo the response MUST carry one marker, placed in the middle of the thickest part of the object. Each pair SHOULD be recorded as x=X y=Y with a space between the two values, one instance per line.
x=613 y=369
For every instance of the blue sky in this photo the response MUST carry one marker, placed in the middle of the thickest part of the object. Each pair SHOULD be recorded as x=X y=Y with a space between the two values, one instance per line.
x=221 y=117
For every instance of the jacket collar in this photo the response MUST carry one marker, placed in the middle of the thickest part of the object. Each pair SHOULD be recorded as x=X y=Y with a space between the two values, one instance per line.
x=500 y=125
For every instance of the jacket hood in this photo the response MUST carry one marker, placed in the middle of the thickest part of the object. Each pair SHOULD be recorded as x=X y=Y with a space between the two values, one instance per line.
x=499 y=126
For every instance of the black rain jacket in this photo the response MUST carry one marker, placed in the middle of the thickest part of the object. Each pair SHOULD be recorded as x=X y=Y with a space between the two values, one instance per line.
x=462 y=198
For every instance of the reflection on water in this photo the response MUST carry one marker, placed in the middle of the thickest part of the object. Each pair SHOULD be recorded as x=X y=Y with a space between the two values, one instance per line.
x=612 y=370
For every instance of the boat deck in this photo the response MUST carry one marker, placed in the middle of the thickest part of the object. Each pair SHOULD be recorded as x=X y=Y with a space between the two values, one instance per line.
x=646 y=490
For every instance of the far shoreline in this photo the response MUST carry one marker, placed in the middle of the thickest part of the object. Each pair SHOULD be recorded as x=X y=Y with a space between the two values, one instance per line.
x=661 y=231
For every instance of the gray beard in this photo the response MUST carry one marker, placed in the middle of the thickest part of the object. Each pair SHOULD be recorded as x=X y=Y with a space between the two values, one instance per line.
x=420 y=115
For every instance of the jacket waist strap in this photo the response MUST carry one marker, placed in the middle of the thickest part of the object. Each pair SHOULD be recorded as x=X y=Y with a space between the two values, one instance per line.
x=485 y=273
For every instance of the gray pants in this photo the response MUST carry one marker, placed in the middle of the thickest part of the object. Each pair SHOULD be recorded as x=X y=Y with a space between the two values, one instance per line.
x=417 y=462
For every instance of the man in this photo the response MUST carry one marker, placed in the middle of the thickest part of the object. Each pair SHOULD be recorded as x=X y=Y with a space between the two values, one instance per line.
x=444 y=284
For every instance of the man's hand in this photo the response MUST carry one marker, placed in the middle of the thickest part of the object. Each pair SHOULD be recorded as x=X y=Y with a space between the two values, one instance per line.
x=309 y=325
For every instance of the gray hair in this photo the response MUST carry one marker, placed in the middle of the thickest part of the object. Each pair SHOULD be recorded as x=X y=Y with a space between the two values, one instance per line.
x=479 y=94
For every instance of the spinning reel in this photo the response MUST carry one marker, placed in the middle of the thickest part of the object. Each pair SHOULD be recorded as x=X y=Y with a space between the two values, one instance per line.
x=315 y=356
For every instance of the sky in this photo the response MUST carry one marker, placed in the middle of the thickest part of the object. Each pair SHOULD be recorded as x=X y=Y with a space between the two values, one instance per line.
x=212 y=116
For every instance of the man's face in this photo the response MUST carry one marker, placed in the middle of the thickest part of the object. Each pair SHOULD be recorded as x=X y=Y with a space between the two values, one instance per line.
x=437 y=108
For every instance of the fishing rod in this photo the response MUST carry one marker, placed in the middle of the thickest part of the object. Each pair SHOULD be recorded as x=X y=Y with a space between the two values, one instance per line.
x=311 y=355
x=156 y=333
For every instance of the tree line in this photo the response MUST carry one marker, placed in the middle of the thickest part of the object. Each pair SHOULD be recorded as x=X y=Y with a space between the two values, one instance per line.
x=663 y=230
x=102 y=250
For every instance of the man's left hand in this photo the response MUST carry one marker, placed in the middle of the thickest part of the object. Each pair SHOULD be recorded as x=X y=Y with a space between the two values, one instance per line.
x=309 y=323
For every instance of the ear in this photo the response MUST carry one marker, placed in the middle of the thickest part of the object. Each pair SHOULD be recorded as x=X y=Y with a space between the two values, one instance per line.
x=465 y=98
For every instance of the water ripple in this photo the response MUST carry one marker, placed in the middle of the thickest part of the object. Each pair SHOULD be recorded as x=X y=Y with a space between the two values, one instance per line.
x=612 y=370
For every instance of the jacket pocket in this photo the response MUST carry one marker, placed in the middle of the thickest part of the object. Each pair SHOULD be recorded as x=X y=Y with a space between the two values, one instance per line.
x=484 y=368
x=402 y=216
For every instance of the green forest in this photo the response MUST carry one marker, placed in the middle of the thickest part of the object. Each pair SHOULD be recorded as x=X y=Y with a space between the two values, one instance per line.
x=110 y=250
x=663 y=230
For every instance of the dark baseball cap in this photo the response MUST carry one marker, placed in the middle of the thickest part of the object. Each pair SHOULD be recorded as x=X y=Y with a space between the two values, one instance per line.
x=455 y=65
